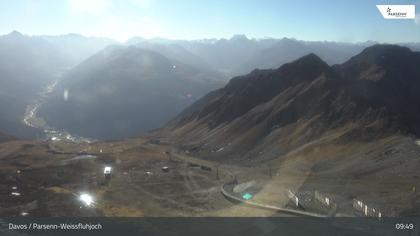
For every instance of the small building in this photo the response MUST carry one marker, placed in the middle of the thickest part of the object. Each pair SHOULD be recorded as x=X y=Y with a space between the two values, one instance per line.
x=107 y=172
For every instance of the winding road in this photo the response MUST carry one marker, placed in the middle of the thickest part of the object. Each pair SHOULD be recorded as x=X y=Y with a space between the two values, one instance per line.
x=226 y=190
x=32 y=119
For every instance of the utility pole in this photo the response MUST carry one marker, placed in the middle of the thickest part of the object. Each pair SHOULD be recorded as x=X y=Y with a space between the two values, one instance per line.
x=168 y=154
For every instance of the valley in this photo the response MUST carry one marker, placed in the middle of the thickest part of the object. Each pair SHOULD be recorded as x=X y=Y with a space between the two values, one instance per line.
x=32 y=119
x=135 y=132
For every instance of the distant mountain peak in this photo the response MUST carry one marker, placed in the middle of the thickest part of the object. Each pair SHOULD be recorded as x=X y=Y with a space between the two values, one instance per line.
x=15 y=35
x=311 y=62
x=15 y=32
x=380 y=51
x=290 y=42
x=288 y=39
x=239 y=37
x=311 y=57
x=379 y=58
x=384 y=47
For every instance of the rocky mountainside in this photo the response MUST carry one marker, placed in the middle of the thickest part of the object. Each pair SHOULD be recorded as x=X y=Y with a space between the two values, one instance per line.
x=273 y=112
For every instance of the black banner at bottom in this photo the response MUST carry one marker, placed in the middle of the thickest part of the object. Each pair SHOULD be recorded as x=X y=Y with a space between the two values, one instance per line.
x=210 y=226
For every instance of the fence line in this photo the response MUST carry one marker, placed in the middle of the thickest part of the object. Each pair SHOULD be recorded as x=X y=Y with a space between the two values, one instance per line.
x=365 y=209
x=322 y=198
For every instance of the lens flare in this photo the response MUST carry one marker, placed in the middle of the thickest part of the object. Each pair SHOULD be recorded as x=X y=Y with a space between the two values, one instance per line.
x=87 y=199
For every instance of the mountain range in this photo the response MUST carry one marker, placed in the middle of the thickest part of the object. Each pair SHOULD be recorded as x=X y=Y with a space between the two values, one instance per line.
x=240 y=54
x=370 y=96
x=118 y=72
x=29 y=63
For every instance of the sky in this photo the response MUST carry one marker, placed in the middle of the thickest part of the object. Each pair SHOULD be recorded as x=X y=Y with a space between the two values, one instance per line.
x=335 y=20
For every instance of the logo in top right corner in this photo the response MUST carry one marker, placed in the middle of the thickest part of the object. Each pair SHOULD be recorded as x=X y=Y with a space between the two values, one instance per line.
x=397 y=11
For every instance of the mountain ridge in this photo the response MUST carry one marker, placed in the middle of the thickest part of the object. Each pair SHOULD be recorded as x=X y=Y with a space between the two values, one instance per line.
x=310 y=93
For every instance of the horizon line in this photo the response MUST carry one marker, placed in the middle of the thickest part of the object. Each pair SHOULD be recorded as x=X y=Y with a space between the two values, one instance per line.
x=204 y=38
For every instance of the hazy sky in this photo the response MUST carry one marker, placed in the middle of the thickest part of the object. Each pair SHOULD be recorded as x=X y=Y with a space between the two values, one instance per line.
x=337 y=20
